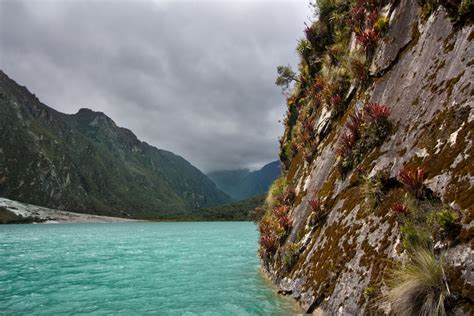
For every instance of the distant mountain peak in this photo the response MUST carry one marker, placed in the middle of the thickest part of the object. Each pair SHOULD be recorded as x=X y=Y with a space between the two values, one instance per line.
x=86 y=112
x=243 y=183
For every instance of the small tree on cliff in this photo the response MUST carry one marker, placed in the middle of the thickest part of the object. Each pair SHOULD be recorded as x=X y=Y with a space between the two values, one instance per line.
x=286 y=76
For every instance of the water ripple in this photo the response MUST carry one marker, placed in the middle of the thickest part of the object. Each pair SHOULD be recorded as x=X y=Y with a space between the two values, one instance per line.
x=134 y=269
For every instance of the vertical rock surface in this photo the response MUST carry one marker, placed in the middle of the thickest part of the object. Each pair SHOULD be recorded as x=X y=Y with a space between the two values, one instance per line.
x=423 y=71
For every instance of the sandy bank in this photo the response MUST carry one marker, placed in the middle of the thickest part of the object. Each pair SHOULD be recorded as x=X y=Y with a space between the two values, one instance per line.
x=17 y=212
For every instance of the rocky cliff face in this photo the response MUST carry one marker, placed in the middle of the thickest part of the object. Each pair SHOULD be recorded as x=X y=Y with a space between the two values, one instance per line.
x=85 y=163
x=378 y=150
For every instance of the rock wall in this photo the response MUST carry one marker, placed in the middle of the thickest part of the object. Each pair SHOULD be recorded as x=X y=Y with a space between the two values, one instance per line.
x=423 y=71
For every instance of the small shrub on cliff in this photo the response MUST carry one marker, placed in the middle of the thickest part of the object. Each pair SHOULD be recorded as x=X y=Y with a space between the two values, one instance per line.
x=276 y=223
x=304 y=50
x=309 y=152
x=291 y=100
x=290 y=256
x=418 y=288
x=466 y=10
x=358 y=68
x=381 y=25
x=372 y=190
x=286 y=76
x=337 y=83
x=257 y=214
x=446 y=220
x=370 y=291
x=335 y=55
x=296 y=147
x=318 y=36
x=400 y=208
x=458 y=10
x=307 y=124
x=415 y=236
x=288 y=196
x=317 y=87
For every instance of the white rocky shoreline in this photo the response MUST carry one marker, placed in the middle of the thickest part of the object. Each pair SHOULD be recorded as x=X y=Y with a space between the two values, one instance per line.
x=42 y=215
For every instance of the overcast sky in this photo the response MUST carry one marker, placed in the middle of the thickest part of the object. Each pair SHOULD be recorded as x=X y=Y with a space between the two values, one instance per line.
x=193 y=77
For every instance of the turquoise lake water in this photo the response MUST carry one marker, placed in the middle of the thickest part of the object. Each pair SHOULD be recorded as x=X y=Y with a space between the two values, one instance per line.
x=134 y=269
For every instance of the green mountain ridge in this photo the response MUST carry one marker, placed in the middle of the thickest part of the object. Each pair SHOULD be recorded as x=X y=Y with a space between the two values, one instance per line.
x=243 y=183
x=84 y=162
x=242 y=210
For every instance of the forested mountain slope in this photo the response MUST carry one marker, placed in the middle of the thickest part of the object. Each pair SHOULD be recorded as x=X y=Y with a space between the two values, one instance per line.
x=85 y=163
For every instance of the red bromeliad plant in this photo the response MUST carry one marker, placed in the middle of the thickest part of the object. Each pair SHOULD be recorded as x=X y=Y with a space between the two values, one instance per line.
x=269 y=235
x=346 y=143
x=296 y=147
x=376 y=112
x=315 y=204
x=357 y=18
x=400 y=208
x=281 y=214
x=412 y=180
x=353 y=124
x=281 y=141
x=269 y=242
x=313 y=92
x=349 y=138
x=306 y=137
x=363 y=15
x=307 y=123
x=372 y=19
x=367 y=38
x=364 y=130
x=369 y=5
x=336 y=100
x=318 y=85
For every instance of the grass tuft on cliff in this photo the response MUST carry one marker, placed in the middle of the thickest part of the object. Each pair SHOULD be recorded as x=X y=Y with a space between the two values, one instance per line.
x=418 y=288
x=275 y=192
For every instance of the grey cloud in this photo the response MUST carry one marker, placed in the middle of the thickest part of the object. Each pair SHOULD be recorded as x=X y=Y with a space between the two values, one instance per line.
x=192 y=77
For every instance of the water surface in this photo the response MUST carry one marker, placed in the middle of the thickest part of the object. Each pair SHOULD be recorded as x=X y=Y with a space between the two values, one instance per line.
x=134 y=268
